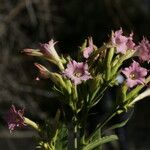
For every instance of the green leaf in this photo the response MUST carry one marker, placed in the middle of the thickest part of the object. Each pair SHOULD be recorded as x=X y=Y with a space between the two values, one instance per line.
x=100 y=141
x=61 y=143
x=120 y=124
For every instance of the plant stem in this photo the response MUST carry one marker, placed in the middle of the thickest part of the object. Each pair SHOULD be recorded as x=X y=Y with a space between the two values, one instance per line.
x=107 y=120
x=75 y=133
x=101 y=125
x=75 y=139
x=31 y=123
x=100 y=136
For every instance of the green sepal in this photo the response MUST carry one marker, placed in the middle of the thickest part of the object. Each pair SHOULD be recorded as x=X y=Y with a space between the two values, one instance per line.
x=121 y=94
x=109 y=57
x=83 y=46
x=129 y=54
x=63 y=60
x=134 y=92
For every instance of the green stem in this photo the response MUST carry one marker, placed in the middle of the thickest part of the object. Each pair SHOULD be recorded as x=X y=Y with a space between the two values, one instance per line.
x=75 y=133
x=97 y=97
x=31 y=124
x=76 y=139
x=100 y=136
x=107 y=120
x=101 y=125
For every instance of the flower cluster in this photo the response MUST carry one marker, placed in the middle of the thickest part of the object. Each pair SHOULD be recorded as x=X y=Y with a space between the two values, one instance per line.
x=134 y=74
x=81 y=84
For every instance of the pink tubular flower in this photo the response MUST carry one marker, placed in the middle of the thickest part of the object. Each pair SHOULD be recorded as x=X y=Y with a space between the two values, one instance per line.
x=46 y=49
x=77 y=72
x=143 y=50
x=122 y=43
x=14 y=118
x=88 y=50
x=135 y=74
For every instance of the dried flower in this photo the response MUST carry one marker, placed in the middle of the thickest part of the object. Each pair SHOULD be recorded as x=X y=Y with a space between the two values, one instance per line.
x=15 y=118
x=88 y=50
x=77 y=72
x=122 y=43
x=135 y=74
x=143 y=50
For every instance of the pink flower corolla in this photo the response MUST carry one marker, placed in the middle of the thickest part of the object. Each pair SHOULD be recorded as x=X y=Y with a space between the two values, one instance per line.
x=77 y=72
x=143 y=50
x=130 y=44
x=48 y=49
x=15 y=118
x=122 y=43
x=88 y=50
x=135 y=74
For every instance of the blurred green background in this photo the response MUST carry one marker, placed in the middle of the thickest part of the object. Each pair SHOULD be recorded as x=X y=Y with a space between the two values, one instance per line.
x=25 y=23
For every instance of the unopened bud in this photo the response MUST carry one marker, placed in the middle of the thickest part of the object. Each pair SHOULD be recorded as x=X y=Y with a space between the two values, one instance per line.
x=44 y=73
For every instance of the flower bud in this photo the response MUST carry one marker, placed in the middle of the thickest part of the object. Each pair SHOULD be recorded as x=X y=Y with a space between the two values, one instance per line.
x=44 y=73
x=32 y=52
